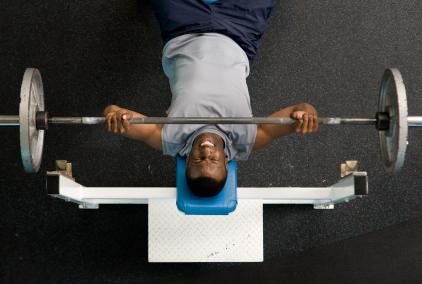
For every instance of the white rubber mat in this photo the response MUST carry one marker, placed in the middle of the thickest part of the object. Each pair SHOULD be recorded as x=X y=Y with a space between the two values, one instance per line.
x=176 y=237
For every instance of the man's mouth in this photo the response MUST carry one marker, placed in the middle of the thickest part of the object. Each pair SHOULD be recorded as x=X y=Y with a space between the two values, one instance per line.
x=207 y=144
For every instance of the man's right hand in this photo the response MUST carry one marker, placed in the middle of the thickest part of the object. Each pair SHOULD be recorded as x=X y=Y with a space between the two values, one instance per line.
x=117 y=119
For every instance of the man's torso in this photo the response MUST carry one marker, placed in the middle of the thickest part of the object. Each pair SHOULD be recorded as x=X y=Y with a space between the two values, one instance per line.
x=207 y=75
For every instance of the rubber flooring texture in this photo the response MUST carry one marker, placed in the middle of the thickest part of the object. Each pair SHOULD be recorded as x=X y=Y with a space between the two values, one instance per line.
x=391 y=255
x=94 y=53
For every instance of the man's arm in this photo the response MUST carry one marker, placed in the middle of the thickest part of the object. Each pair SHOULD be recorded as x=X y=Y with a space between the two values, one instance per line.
x=118 y=121
x=307 y=122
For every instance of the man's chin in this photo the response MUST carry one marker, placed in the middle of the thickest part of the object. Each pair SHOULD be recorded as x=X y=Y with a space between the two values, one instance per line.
x=207 y=139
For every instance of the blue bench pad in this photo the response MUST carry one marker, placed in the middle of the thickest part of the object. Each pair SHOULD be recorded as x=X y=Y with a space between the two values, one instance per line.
x=221 y=204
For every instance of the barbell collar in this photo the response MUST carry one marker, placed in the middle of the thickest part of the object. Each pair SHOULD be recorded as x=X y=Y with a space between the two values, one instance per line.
x=383 y=121
x=41 y=120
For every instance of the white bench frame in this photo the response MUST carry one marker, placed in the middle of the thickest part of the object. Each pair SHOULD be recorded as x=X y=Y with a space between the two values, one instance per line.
x=61 y=184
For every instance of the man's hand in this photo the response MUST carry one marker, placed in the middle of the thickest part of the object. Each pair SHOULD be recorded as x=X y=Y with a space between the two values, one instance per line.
x=307 y=122
x=307 y=118
x=117 y=119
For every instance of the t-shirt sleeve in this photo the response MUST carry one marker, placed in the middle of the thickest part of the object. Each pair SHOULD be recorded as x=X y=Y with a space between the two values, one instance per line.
x=169 y=148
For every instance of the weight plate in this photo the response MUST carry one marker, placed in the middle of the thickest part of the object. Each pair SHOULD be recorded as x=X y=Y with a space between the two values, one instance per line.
x=392 y=99
x=31 y=139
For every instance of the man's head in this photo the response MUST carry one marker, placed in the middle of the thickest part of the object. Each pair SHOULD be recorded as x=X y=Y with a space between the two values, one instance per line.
x=207 y=165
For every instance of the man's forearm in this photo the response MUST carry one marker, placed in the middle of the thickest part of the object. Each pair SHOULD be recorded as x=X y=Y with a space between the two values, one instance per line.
x=276 y=131
x=138 y=131
x=267 y=133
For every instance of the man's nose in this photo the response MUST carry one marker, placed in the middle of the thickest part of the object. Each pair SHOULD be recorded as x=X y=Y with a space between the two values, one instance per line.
x=206 y=152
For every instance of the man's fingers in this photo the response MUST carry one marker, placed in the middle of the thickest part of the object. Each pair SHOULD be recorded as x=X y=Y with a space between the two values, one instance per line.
x=126 y=124
x=305 y=123
x=306 y=119
x=118 y=121
x=311 y=123
x=114 y=123
x=297 y=115
x=126 y=118
x=109 y=122
x=119 y=126
x=299 y=124
x=316 y=125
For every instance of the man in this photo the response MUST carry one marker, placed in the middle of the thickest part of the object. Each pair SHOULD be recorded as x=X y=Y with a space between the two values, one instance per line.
x=208 y=46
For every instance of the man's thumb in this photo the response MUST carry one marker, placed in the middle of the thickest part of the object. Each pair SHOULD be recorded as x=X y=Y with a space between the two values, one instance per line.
x=127 y=116
x=298 y=114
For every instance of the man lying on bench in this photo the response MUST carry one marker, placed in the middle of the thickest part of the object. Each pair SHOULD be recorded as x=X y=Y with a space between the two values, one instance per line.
x=206 y=59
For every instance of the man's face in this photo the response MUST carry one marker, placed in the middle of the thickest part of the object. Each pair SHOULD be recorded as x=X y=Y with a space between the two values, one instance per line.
x=207 y=158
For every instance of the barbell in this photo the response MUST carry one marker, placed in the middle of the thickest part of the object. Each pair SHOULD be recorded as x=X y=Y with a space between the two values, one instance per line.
x=391 y=120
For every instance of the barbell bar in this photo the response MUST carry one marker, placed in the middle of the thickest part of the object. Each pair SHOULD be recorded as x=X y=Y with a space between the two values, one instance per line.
x=13 y=120
x=391 y=120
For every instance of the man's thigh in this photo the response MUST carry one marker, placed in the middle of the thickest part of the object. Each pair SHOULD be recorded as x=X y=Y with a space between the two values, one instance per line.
x=252 y=15
x=244 y=21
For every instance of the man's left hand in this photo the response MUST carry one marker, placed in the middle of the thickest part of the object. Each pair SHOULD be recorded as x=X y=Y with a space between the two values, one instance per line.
x=307 y=118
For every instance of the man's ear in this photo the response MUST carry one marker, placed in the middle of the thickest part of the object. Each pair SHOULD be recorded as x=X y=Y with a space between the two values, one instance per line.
x=226 y=162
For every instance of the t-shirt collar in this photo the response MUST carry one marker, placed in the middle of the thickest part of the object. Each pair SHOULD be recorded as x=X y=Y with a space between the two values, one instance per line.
x=210 y=129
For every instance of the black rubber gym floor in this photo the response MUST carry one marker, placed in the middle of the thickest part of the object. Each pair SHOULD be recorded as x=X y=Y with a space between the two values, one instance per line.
x=94 y=53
